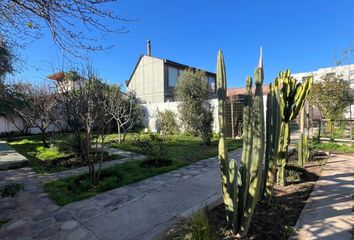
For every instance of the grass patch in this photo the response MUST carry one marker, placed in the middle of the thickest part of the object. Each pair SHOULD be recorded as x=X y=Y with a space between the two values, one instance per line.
x=3 y=222
x=333 y=147
x=58 y=157
x=10 y=190
x=75 y=188
x=181 y=150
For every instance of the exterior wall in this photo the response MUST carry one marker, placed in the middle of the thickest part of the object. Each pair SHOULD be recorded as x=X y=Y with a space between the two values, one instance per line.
x=347 y=72
x=148 y=80
x=7 y=127
x=151 y=110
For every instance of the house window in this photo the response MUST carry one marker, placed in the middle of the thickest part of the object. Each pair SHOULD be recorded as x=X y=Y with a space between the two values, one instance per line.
x=211 y=82
x=173 y=74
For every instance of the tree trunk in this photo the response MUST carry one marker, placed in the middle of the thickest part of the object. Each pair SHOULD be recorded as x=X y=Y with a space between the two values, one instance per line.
x=118 y=131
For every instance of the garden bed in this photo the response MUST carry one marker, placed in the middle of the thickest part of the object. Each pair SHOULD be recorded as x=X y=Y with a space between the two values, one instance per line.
x=58 y=157
x=180 y=151
x=274 y=220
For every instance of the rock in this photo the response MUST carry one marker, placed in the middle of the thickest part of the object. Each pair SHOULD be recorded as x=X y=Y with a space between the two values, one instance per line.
x=68 y=225
x=15 y=224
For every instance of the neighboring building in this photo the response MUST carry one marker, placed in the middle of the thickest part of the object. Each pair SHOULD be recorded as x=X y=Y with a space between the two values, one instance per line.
x=154 y=79
x=346 y=72
x=63 y=84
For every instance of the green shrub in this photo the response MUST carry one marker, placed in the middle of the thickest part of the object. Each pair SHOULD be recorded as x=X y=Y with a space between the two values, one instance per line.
x=167 y=122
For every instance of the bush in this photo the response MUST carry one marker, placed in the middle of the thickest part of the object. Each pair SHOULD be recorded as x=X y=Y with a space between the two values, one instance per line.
x=167 y=122
x=154 y=149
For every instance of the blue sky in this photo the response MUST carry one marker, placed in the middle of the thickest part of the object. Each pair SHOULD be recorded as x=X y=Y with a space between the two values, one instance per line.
x=301 y=35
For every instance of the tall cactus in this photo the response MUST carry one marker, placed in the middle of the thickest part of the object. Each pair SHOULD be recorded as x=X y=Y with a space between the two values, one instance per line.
x=272 y=141
x=292 y=98
x=241 y=186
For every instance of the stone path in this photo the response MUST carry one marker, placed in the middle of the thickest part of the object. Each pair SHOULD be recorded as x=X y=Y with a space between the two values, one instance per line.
x=328 y=212
x=9 y=158
x=136 y=211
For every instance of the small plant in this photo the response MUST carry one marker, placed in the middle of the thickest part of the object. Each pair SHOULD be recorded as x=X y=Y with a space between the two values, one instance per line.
x=10 y=190
x=154 y=149
x=196 y=227
x=293 y=175
x=287 y=231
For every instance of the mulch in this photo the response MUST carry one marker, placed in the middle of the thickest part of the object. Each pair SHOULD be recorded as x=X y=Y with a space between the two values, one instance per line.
x=274 y=220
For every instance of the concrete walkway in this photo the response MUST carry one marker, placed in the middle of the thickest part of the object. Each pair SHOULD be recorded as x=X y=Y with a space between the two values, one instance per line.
x=9 y=158
x=328 y=212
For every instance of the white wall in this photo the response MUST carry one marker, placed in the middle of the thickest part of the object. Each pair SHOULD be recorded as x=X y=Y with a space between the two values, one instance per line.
x=7 y=126
x=151 y=110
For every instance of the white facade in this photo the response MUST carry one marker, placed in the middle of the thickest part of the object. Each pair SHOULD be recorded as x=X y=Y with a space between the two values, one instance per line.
x=346 y=72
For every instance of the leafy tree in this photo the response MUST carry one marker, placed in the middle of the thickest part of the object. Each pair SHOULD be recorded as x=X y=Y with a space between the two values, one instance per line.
x=195 y=109
x=332 y=95
x=73 y=25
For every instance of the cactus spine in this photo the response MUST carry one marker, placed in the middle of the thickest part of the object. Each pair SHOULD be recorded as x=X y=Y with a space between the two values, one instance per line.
x=241 y=187
x=292 y=98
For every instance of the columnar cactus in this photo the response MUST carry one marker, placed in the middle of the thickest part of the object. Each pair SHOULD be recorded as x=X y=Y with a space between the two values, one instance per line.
x=272 y=141
x=241 y=186
x=292 y=98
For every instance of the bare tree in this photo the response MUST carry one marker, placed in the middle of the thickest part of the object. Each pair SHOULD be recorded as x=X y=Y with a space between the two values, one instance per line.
x=124 y=109
x=44 y=109
x=17 y=108
x=86 y=115
x=74 y=25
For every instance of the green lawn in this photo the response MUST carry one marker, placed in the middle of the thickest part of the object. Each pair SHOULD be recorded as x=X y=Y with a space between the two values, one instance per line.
x=333 y=147
x=56 y=158
x=182 y=150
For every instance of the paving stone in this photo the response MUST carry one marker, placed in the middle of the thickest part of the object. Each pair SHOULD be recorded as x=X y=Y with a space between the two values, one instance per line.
x=68 y=225
x=42 y=224
x=24 y=238
x=48 y=232
x=7 y=205
x=15 y=224
x=76 y=234
x=62 y=216
x=52 y=207
x=41 y=216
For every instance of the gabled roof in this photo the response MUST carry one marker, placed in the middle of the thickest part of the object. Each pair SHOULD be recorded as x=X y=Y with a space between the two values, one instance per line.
x=165 y=61
x=58 y=76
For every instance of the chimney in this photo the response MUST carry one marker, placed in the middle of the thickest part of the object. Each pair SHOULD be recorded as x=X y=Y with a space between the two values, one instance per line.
x=148 y=46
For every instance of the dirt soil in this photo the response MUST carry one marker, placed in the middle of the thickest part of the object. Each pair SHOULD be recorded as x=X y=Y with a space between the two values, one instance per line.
x=275 y=220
